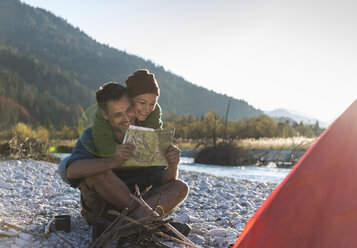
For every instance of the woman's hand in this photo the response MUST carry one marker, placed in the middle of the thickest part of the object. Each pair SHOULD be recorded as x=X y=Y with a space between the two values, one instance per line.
x=173 y=156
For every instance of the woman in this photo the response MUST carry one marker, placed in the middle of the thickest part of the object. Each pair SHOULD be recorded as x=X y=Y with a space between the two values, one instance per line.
x=144 y=92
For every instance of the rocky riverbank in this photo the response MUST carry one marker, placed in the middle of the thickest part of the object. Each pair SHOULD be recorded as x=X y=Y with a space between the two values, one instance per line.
x=31 y=194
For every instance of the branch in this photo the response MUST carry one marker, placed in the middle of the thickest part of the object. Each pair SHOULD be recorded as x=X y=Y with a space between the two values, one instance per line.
x=18 y=228
x=167 y=225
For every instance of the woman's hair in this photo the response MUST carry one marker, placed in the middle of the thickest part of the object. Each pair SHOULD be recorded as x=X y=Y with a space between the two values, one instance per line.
x=141 y=82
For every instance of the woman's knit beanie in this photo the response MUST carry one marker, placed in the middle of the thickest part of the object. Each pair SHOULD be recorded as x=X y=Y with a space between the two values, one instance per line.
x=142 y=82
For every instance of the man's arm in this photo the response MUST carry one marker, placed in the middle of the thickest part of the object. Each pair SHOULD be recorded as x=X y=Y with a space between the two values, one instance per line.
x=173 y=159
x=89 y=167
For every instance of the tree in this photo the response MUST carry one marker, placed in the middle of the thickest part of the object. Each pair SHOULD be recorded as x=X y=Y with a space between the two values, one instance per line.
x=262 y=126
x=213 y=124
x=285 y=130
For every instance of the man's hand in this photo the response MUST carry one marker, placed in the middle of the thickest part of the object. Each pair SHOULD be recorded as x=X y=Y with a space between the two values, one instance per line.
x=123 y=153
x=173 y=156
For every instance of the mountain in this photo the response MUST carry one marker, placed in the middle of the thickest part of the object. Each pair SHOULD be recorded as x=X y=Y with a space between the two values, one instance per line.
x=293 y=115
x=50 y=70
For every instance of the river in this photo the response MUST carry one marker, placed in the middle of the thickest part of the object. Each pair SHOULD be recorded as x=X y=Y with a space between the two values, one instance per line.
x=251 y=173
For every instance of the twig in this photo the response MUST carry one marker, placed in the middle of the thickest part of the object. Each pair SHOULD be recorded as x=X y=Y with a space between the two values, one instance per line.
x=47 y=227
x=21 y=229
x=158 y=204
x=174 y=239
x=145 y=191
x=113 y=212
x=116 y=230
x=110 y=231
x=144 y=222
x=63 y=238
x=167 y=225
x=125 y=230
x=162 y=245
x=8 y=234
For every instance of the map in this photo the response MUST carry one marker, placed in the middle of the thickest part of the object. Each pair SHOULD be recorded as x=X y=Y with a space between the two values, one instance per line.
x=151 y=145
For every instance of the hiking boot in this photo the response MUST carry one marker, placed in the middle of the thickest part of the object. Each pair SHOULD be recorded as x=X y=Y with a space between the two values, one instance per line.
x=98 y=227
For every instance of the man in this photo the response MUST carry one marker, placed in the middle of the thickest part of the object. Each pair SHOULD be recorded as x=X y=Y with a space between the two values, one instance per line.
x=105 y=183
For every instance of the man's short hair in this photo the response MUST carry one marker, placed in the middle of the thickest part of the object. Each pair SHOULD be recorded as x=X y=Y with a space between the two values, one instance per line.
x=110 y=92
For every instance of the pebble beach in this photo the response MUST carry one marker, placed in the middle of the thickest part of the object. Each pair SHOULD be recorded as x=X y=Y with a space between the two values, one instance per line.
x=32 y=193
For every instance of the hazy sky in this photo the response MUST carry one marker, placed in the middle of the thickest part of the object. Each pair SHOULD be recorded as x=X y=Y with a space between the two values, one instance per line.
x=299 y=55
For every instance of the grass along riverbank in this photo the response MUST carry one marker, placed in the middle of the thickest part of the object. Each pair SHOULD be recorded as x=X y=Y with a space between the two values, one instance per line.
x=294 y=143
x=265 y=147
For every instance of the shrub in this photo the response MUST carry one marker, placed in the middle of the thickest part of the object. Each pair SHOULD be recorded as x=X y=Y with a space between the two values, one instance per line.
x=23 y=131
x=42 y=134
x=223 y=154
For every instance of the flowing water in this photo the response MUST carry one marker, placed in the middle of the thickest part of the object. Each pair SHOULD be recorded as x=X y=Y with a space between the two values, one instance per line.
x=251 y=173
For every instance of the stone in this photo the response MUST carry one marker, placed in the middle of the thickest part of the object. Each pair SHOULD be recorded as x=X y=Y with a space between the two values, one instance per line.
x=219 y=232
x=25 y=236
x=219 y=240
x=44 y=193
x=196 y=239
x=223 y=222
x=183 y=218
x=194 y=219
x=21 y=243
x=15 y=246
x=5 y=185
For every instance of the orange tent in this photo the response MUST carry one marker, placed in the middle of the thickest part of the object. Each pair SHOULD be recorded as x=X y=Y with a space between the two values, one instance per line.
x=316 y=204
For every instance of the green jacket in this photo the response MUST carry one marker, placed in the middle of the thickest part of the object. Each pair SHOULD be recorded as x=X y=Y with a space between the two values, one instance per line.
x=103 y=135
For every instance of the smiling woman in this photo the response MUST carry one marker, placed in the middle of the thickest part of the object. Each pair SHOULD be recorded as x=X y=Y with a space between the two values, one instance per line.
x=143 y=105
x=143 y=92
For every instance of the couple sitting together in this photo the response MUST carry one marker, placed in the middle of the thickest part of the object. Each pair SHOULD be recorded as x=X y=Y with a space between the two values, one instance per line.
x=96 y=163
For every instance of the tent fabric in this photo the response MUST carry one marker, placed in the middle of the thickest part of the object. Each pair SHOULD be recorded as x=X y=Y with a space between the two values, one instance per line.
x=316 y=204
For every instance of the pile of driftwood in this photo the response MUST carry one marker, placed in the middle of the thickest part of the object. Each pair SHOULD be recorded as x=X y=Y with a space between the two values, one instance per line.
x=229 y=154
x=144 y=232
x=224 y=153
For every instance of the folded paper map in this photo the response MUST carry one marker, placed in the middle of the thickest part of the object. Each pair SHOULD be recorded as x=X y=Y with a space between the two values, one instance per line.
x=151 y=145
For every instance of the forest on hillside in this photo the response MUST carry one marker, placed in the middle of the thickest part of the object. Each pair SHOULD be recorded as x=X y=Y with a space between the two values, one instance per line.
x=50 y=71
x=33 y=92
